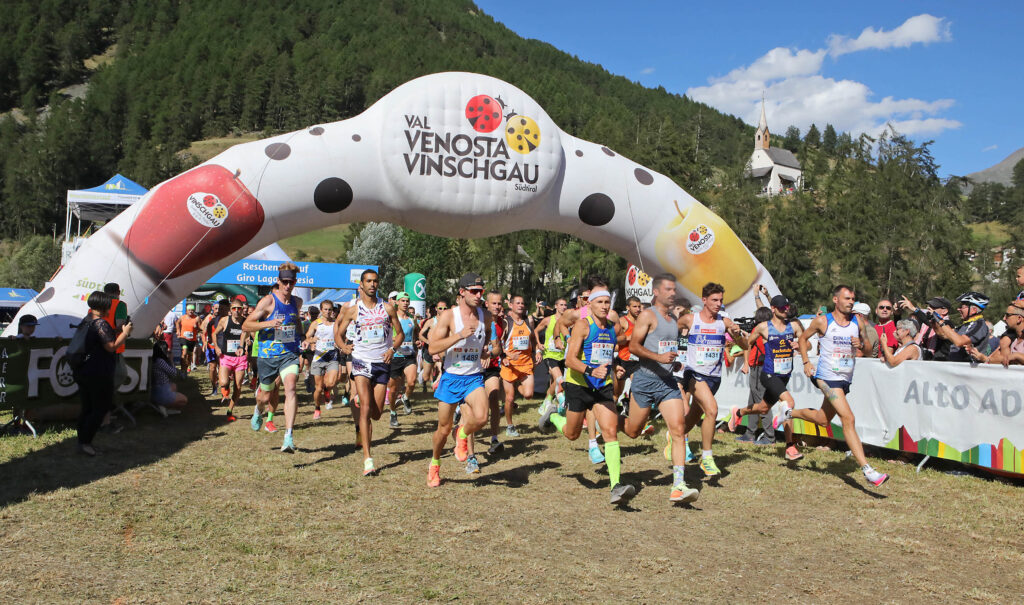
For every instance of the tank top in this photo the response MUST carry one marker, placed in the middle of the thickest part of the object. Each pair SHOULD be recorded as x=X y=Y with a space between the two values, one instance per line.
x=230 y=339
x=705 y=345
x=111 y=318
x=598 y=349
x=324 y=348
x=188 y=327
x=624 y=353
x=662 y=338
x=551 y=350
x=778 y=350
x=911 y=343
x=836 y=356
x=285 y=338
x=497 y=331
x=516 y=343
x=373 y=332
x=463 y=358
x=407 y=348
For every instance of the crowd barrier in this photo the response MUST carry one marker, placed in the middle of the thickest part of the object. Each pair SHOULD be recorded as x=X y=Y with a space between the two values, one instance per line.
x=954 y=411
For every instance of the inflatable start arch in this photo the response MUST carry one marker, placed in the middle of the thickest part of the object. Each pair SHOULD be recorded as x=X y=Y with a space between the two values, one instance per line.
x=450 y=154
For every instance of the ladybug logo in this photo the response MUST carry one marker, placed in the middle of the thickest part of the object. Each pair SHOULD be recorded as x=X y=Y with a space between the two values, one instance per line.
x=207 y=209
x=700 y=239
x=484 y=113
x=631 y=275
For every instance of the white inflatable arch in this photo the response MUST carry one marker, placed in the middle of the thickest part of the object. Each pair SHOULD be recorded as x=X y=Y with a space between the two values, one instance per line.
x=450 y=154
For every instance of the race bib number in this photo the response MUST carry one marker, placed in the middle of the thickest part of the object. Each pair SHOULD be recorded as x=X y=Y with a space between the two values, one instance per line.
x=233 y=346
x=324 y=344
x=707 y=356
x=667 y=346
x=188 y=335
x=373 y=335
x=601 y=353
x=463 y=358
x=783 y=366
x=553 y=346
x=520 y=343
x=285 y=333
x=842 y=361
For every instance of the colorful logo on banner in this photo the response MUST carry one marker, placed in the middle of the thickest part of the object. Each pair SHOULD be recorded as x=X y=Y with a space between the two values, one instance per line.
x=638 y=284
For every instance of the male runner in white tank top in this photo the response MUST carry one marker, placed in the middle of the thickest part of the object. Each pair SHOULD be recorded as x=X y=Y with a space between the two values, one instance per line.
x=464 y=334
x=841 y=335
x=378 y=334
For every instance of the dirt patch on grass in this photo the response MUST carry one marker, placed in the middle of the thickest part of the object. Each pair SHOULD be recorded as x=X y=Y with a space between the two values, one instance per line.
x=192 y=508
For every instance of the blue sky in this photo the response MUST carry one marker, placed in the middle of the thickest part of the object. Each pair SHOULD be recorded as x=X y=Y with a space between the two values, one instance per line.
x=943 y=71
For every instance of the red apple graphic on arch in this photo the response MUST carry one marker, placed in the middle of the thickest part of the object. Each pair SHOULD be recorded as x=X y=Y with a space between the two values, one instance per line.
x=192 y=221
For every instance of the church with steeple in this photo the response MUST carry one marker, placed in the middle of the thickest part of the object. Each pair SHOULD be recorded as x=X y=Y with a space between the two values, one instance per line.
x=777 y=170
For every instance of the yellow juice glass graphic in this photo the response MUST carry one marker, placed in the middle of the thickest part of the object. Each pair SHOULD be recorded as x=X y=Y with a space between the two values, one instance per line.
x=699 y=247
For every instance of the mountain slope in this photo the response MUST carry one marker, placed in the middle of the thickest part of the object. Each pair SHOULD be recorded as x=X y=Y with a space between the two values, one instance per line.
x=1001 y=173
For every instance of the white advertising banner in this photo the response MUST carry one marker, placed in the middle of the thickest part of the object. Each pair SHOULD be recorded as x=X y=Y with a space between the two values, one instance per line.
x=955 y=403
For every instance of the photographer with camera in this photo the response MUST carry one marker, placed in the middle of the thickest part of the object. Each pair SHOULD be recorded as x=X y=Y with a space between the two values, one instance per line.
x=973 y=332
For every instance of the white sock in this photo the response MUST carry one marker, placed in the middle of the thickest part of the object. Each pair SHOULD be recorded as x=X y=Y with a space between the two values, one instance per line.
x=287 y=432
x=705 y=453
x=593 y=443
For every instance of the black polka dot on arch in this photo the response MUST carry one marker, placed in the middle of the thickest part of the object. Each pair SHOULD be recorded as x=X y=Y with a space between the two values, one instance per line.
x=332 y=195
x=644 y=177
x=608 y=152
x=597 y=209
x=278 y=151
x=316 y=131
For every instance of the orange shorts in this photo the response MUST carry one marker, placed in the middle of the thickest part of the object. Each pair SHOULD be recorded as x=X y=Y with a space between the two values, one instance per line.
x=516 y=373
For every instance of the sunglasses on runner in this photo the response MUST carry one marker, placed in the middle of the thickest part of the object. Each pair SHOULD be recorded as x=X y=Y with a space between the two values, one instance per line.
x=475 y=291
x=884 y=308
x=287 y=282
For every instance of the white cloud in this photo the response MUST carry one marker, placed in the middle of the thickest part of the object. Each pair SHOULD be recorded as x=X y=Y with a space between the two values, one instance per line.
x=798 y=94
x=923 y=29
x=647 y=71
x=990 y=148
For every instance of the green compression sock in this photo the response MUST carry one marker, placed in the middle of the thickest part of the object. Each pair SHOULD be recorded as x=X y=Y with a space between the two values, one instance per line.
x=559 y=421
x=612 y=458
x=435 y=462
x=462 y=434
x=270 y=416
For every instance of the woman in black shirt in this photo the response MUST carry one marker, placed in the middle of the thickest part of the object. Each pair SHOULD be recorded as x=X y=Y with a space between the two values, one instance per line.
x=95 y=377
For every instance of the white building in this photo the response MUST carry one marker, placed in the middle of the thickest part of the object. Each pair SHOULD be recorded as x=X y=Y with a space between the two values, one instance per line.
x=777 y=170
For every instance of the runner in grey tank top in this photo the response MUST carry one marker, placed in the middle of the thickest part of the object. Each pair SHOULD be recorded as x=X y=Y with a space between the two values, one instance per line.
x=663 y=338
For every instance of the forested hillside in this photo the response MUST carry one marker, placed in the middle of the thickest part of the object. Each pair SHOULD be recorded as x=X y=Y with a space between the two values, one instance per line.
x=184 y=71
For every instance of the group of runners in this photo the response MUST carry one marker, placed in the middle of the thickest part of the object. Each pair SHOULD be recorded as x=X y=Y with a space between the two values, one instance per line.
x=607 y=373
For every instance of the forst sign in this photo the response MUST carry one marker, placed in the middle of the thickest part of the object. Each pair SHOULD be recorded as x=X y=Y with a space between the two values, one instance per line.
x=453 y=154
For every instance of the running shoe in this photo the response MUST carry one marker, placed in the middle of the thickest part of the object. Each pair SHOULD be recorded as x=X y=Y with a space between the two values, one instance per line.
x=253 y=382
x=344 y=401
x=510 y=431
x=328 y=401
x=690 y=457
x=875 y=478
x=668 y=446
x=394 y=419
x=269 y=426
x=257 y=421
x=472 y=466
x=213 y=391
x=707 y=464
x=461 y=447
x=545 y=420
x=648 y=429
x=501 y=410
x=596 y=456
x=682 y=493
x=765 y=439
x=734 y=418
x=792 y=453
x=231 y=416
x=457 y=420
x=368 y=468
x=434 y=475
x=622 y=493
x=316 y=414
x=496 y=446
x=406 y=405
x=288 y=446
x=783 y=414
x=544 y=405
x=747 y=437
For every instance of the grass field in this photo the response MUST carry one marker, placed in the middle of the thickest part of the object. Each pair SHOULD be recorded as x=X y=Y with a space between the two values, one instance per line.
x=324 y=243
x=194 y=509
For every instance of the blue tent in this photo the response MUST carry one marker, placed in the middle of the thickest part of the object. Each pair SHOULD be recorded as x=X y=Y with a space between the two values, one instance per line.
x=337 y=296
x=16 y=297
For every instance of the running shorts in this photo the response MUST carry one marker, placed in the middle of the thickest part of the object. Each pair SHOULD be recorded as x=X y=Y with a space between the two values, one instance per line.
x=580 y=399
x=774 y=385
x=554 y=363
x=492 y=372
x=835 y=384
x=454 y=388
x=691 y=377
x=649 y=389
x=377 y=372
x=234 y=364
x=269 y=368
x=398 y=365
x=515 y=374
x=324 y=366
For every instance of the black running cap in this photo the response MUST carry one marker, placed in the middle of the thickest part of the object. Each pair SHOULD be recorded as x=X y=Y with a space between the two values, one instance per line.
x=286 y=274
x=939 y=302
x=779 y=301
x=471 y=280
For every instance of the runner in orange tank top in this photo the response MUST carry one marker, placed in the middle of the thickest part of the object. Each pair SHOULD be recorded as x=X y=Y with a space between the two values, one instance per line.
x=519 y=344
x=626 y=363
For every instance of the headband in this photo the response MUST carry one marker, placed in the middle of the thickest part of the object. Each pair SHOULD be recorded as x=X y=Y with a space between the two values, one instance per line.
x=599 y=293
x=286 y=274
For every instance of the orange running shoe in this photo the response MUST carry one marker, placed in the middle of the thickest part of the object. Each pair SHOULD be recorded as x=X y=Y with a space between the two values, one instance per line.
x=434 y=475
x=270 y=427
x=461 y=446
